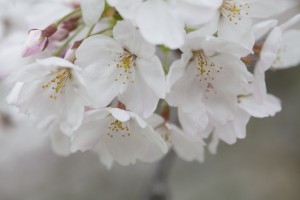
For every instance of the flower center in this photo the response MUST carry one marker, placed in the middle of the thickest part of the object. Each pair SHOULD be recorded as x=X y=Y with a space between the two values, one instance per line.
x=206 y=69
x=234 y=10
x=118 y=129
x=125 y=63
x=58 y=81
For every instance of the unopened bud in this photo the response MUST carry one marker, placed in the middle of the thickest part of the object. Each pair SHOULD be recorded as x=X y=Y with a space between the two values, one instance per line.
x=50 y=30
x=71 y=24
x=60 y=34
x=70 y=54
x=38 y=40
x=35 y=43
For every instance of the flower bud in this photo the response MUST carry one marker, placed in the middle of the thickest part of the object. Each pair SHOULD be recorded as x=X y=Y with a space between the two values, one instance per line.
x=70 y=54
x=38 y=40
x=60 y=35
x=71 y=24
x=35 y=43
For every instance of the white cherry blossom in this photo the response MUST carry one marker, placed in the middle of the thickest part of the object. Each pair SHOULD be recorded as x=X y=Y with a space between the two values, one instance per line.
x=208 y=78
x=235 y=18
x=50 y=89
x=125 y=67
x=118 y=135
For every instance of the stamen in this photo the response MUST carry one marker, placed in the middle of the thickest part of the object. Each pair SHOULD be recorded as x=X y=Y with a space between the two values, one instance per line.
x=118 y=129
x=58 y=81
x=125 y=63
x=235 y=11
x=206 y=69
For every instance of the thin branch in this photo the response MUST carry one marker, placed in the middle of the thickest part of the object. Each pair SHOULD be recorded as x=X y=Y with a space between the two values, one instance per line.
x=159 y=187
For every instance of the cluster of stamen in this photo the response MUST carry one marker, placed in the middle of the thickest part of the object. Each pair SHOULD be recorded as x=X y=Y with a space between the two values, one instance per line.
x=125 y=63
x=58 y=81
x=234 y=11
x=118 y=128
x=206 y=69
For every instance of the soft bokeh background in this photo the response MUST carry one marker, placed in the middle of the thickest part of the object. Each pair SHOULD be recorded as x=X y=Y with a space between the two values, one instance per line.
x=266 y=165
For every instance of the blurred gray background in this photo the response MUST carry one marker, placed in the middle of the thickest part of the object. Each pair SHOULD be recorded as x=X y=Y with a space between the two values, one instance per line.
x=264 y=166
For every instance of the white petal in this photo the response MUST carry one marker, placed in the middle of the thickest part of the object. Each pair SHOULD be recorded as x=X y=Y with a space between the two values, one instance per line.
x=226 y=133
x=262 y=28
x=31 y=99
x=105 y=157
x=98 y=49
x=155 y=120
x=71 y=110
x=186 y=147
x=92 y=10
x=177 y=70
x=89 y=134
x=210 y=28
x=221 y=108
x=153 y=137
x=197 y=12
x=139 y=98
x=240 y=33
x=240 y=123
x=113 y=2
x=13 y=96
x=213 y=45
x=270 y=50
x=56 y=62
x=119 y=114
x=151 y=71
x=132 y=40
x=290 y=54
x=30 y=73
x=261 y=109
x=159 y=24
x=127 y=9
x=195 y=122
x=234 y=129
x=141 y=122
x=101 y=83
x=61 y=144
x=186 y=92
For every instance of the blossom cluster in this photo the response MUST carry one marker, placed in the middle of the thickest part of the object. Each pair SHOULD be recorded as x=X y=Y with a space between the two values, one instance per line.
x=132 y=79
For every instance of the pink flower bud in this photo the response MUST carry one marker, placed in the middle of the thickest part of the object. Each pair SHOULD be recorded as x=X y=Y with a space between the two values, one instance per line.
x=65 y=28
x=70 y=54
x=35 y=43
x=71 y=24
x=38 y=40
x=60 y=35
